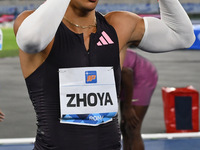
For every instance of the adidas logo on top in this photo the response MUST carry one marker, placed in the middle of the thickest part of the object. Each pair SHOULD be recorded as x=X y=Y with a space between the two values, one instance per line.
x=104 y=39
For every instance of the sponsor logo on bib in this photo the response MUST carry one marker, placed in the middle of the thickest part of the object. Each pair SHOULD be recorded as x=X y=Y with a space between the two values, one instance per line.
x=90 y=77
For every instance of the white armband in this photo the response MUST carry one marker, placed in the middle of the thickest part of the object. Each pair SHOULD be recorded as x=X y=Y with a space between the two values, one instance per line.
x=38 y=29
x=173 y=31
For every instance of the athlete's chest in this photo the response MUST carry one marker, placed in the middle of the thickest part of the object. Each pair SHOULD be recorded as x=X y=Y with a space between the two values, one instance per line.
x=96 y=49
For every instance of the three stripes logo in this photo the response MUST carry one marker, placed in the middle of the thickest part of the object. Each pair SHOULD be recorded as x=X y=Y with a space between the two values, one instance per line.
x=90 y=77
x=104 y=39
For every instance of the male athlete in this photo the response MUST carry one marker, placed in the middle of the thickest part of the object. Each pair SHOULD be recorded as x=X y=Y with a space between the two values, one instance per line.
x=69 y=56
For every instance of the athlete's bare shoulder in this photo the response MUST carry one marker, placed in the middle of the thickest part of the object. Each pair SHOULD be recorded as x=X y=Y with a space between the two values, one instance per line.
x=128 y=25
x=20 y=19
x=122 y=18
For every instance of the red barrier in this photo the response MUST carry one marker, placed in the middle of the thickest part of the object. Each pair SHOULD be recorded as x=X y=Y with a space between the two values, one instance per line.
x=181 y=109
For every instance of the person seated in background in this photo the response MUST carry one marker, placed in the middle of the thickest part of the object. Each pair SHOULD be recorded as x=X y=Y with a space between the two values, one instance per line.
x=139 y=80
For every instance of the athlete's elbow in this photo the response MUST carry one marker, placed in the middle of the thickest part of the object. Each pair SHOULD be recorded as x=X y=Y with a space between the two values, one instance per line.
x=30 y=48
x=191 y=39
x=188 y=39
x=29 y=44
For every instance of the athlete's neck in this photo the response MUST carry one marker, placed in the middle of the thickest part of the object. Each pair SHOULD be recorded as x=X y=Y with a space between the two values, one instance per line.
x=81 y=18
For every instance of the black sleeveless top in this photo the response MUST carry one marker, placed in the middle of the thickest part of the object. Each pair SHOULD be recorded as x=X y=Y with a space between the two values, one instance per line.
x=69 y=51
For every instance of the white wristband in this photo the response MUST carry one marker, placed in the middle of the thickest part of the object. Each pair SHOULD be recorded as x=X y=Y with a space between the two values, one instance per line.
x=38 y=29
x=173 y=31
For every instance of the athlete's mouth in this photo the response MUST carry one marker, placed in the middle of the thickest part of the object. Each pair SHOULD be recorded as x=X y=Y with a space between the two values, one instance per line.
x=93 y=1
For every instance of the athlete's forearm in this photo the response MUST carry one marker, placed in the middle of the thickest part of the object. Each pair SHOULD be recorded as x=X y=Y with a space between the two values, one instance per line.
x=173 y=31
x=38 y=29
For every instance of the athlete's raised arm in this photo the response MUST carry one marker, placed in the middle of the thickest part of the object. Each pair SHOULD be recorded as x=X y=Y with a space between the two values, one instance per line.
x=173 y=31
x=36 y=29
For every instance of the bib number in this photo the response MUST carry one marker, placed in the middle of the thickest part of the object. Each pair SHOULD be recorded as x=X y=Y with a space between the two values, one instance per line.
x=87 y=95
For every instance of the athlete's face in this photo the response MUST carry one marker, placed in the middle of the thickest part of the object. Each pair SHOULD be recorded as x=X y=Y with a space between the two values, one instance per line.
x=85 y=5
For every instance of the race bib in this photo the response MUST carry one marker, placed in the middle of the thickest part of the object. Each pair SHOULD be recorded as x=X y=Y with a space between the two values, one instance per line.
x=87 y=95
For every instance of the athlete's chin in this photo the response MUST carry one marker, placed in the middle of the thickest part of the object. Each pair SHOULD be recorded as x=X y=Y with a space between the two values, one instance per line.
x=91 y=7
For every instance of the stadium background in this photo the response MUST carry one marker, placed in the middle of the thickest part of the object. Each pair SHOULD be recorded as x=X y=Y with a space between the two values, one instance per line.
x=137 y=6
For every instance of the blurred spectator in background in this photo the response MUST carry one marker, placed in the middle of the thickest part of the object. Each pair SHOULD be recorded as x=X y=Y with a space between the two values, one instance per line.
x=139 y=80
x=15 y=13
x=1 y=116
